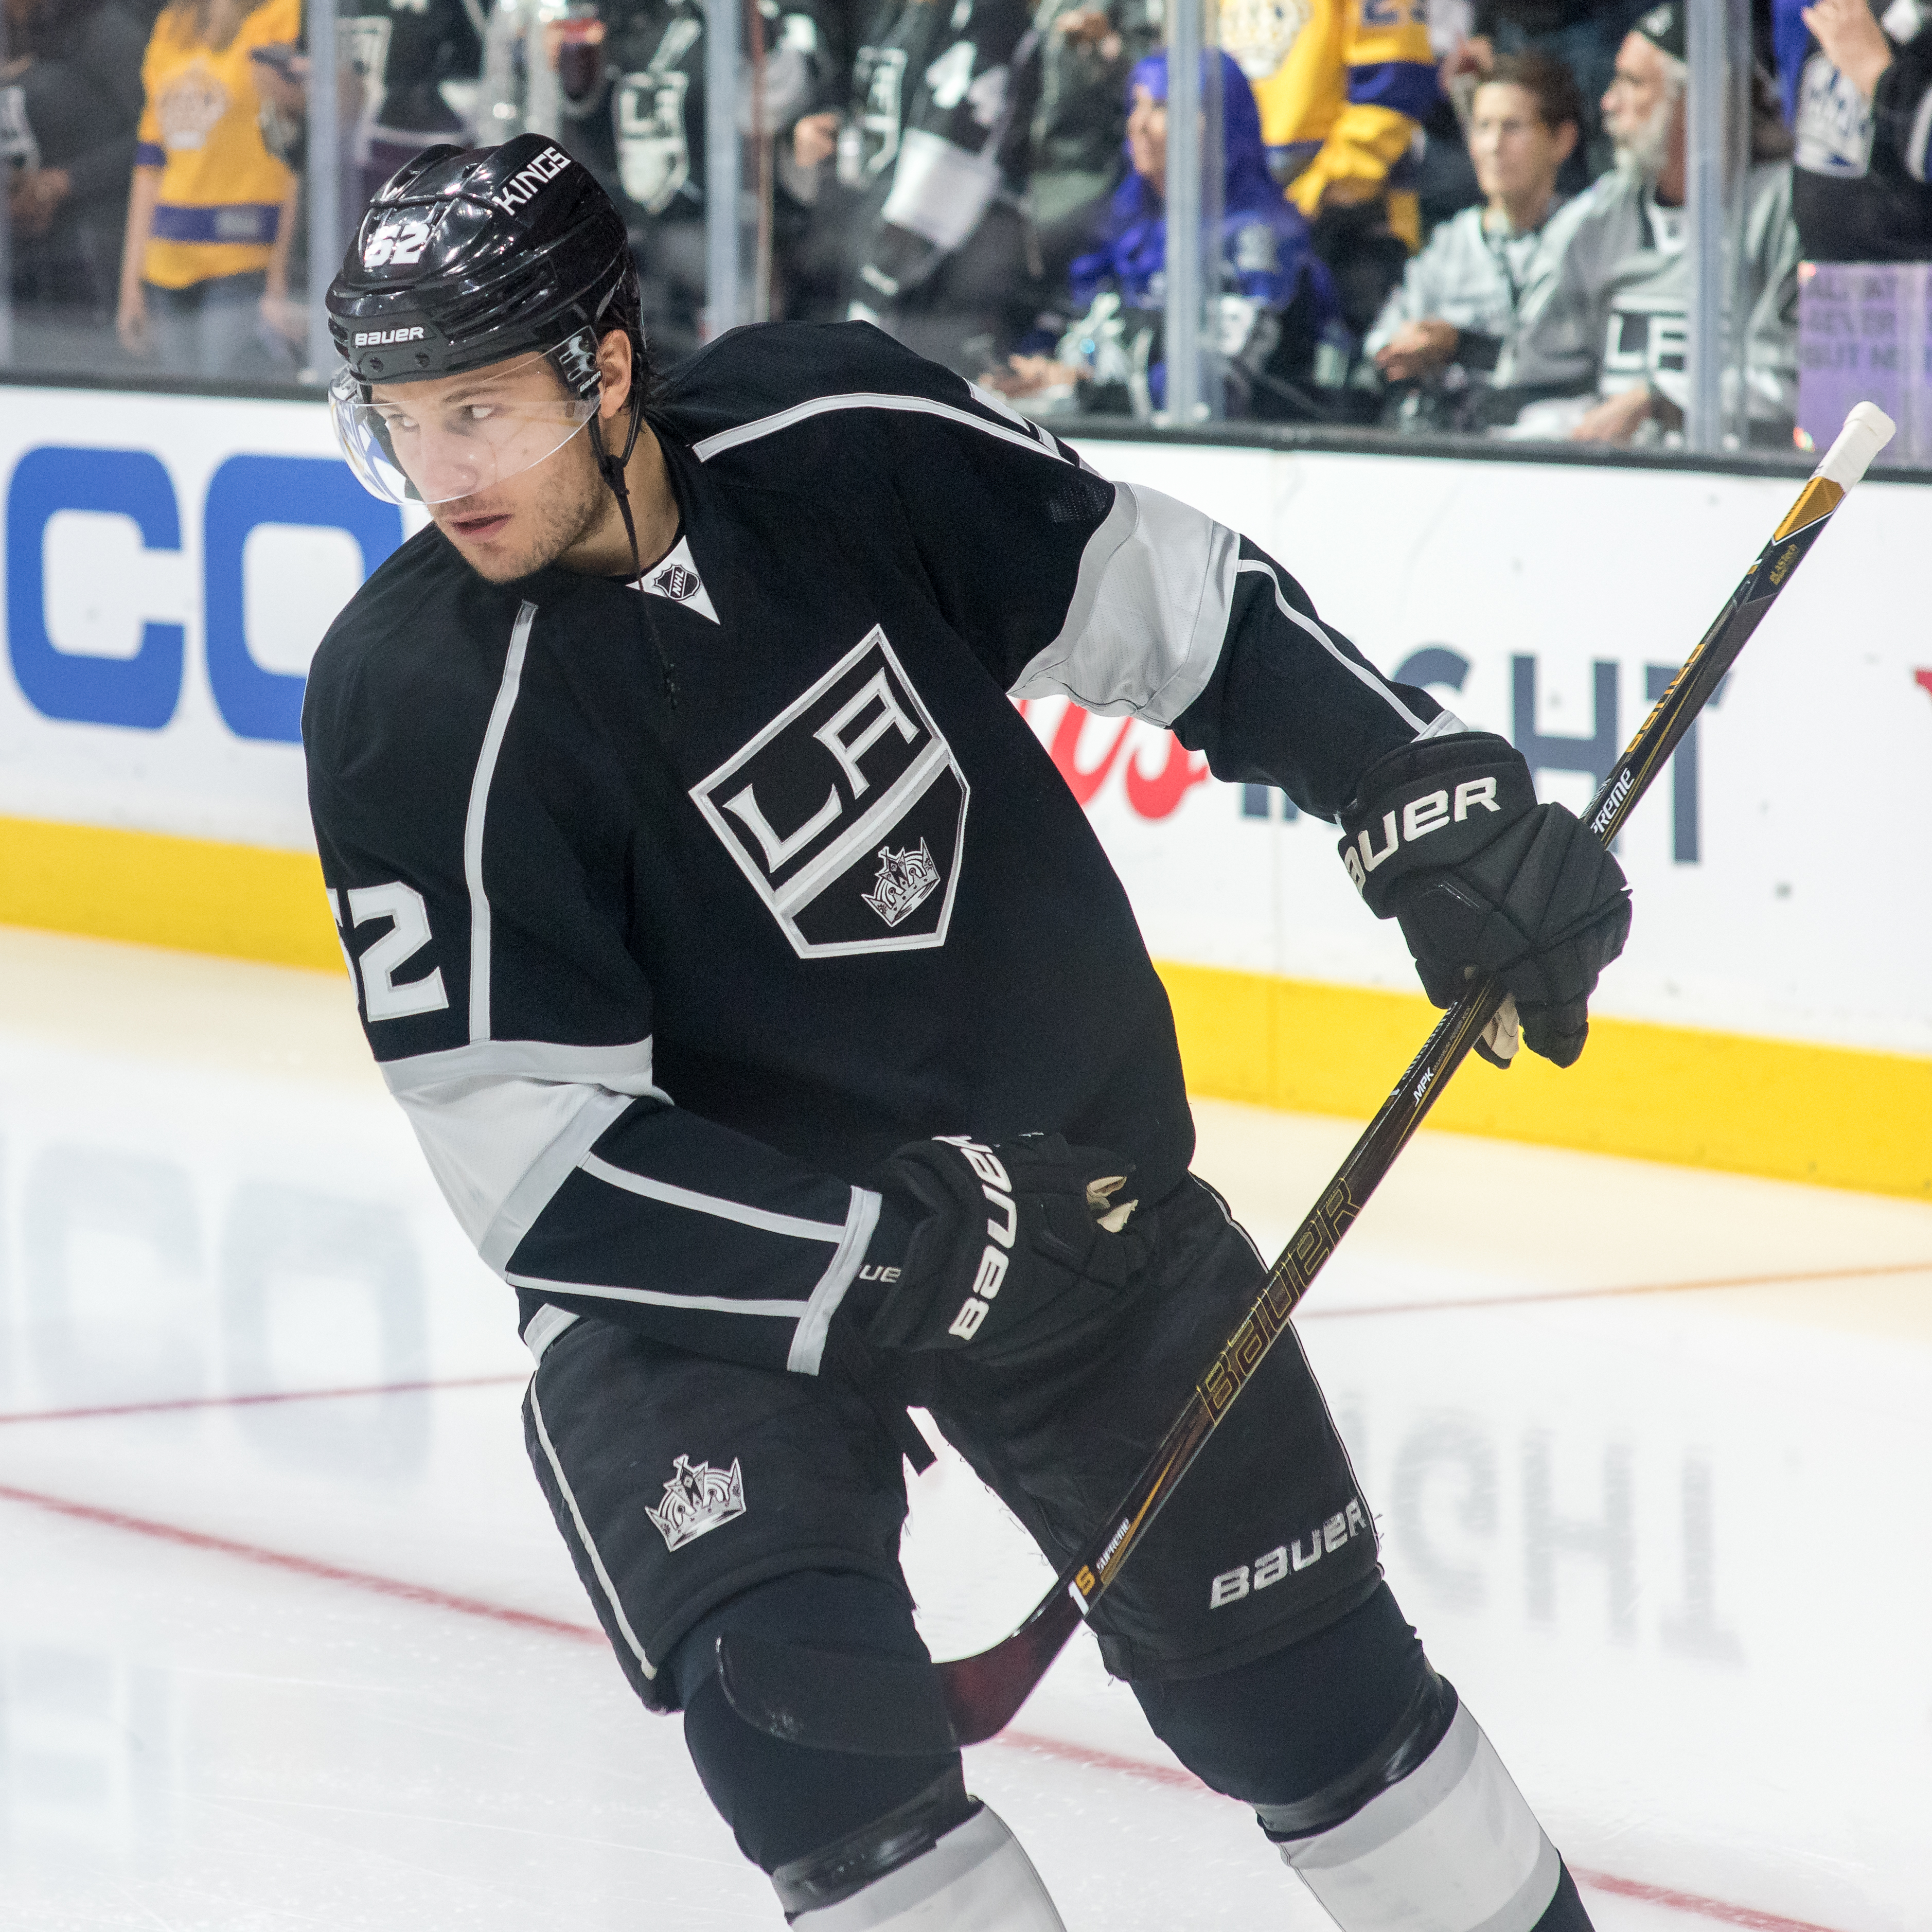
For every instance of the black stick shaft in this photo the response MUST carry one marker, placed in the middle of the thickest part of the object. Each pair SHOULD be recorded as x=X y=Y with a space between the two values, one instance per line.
x=983 y=1691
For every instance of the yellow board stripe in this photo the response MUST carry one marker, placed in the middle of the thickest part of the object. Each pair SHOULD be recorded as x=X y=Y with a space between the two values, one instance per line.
x=1832 y=1115
x=240 y=901
x=1828 y=1114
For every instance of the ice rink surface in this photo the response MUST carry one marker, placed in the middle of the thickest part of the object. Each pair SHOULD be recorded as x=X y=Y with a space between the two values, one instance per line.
x=287 y=1638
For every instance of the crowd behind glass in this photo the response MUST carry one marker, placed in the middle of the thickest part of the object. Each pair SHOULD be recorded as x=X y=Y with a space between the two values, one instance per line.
x=1428 y=215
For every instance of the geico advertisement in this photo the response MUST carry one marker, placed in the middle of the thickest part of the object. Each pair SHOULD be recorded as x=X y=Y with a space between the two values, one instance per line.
x=172 y=563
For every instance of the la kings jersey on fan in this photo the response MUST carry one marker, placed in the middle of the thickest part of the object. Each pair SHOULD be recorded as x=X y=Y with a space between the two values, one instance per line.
x=1616 y=315
x=661 y=978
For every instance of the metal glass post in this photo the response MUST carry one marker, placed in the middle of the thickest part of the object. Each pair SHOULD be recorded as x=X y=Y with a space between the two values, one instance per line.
x=1183 y=321
x=1716 y=147
x=1207 y=249
x=6 y=244
x=722 y=215
x=325 y=181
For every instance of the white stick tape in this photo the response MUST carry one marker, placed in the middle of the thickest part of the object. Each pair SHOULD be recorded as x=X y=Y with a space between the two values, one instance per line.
x=1867 y=430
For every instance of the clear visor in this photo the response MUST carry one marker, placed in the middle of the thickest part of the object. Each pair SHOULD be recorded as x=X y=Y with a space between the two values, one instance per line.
x=435 y=441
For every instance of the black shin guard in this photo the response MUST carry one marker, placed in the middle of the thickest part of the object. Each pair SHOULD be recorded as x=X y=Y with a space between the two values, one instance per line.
x=1379 y=1787
x=1311 y=1726
x=787 y=1804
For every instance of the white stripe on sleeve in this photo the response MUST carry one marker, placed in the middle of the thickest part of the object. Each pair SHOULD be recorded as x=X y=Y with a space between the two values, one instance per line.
x=654 y=1297
x=600 y=1169
x=1254 y=566
x=819 y=406
x=808 y=1344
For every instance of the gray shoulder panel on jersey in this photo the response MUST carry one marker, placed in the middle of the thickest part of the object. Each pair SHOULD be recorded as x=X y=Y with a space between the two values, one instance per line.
x=1149 y=614
x=502 y=1123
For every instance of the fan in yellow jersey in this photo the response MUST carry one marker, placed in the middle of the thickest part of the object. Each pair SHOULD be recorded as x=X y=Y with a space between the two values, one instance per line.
x=1342 y=86
x=204 y=271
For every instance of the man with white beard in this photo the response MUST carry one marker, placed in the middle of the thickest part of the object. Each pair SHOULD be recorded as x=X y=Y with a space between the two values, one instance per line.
x=1614 y=329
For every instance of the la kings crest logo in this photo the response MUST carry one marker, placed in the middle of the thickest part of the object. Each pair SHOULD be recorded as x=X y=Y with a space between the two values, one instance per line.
x=847 y=813
x=904 y=881
x=696 y=1500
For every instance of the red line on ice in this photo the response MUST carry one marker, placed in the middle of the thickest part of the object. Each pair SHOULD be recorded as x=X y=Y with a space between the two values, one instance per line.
x=1719 y=1910
x=299 y=1566
x=1556 y=1297
x=1726 y=1914
x=163 y=1406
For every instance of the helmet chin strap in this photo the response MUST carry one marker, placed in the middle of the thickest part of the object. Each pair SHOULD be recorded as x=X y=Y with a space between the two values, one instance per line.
x=612 y=469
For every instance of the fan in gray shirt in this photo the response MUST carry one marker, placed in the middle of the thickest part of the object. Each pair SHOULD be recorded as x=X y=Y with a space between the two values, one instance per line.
x=1442 y=332
x=1613 y=329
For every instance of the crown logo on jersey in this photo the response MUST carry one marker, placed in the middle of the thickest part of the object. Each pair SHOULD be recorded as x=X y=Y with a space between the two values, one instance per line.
x=697 y=1499
x=905 y=879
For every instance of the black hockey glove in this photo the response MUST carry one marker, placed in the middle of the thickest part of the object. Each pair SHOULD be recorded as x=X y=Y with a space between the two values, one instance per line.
x=1007 y=1249
x=1446 y=835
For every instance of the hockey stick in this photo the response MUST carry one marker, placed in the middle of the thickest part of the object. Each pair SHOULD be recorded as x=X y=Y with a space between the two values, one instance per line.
x=982 y=1693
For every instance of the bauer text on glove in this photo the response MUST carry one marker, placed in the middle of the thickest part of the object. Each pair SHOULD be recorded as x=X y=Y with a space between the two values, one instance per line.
x=1008 y=1249
x=1446 y=836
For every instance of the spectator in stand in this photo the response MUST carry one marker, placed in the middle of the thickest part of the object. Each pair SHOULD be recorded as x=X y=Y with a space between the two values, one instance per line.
x=418 y=61
x=204 y=266
x=69 y=103
x=1343 y=86
x=1583 y=34
x=1485 y=272
x=1611 y=330
x=1083 y=56
x=1864 y=127
x=632 y=85
x=936 y=242
x=1275 y=306
x=634 y=107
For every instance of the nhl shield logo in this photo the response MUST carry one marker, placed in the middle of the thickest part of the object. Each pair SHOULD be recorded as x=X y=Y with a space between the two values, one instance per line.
x=677 y=583
x=847 y=812
x=696 y=1500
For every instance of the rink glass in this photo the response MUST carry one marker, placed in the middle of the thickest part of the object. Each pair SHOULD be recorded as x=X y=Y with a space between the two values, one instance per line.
x=435 y=441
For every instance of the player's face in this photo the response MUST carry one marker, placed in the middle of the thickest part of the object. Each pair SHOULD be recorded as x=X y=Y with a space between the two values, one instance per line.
x=508 y=508
x=1515 y=151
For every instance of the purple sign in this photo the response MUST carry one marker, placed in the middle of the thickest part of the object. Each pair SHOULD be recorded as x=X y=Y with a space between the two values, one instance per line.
x=1860 y=336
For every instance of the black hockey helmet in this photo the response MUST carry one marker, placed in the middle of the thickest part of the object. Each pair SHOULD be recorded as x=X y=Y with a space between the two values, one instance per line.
x=470 y=257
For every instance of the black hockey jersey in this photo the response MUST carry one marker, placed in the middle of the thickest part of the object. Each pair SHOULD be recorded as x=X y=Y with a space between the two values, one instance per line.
x=660 y=980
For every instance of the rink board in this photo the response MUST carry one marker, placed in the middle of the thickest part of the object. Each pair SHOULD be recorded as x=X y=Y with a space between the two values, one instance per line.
x=170 y=563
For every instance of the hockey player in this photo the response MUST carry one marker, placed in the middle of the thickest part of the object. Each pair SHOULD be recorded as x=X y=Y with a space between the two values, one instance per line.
x=774 y=1024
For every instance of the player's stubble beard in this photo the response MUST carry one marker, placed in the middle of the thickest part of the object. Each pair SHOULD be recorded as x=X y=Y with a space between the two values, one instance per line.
x=553 y=506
